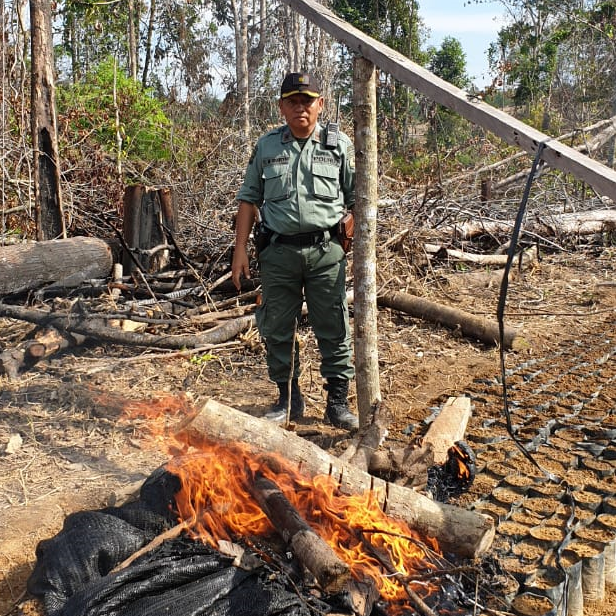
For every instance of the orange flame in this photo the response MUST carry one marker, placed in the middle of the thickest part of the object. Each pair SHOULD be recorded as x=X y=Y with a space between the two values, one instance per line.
x=214 y=498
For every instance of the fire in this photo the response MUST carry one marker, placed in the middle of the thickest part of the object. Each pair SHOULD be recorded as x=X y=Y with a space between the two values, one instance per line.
x=215 y=503
x=215 y=499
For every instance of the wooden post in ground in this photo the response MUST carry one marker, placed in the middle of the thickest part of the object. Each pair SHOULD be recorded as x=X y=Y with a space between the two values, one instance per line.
x=364 y=249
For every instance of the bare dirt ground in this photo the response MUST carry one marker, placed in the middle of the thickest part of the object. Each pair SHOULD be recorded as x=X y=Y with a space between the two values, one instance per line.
x=78 y=449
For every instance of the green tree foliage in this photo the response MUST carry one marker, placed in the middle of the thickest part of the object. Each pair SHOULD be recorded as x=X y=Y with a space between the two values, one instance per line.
x=558 y=52
x=447 y=128
x=449 y=62
x=91 y=108
x=90 y=32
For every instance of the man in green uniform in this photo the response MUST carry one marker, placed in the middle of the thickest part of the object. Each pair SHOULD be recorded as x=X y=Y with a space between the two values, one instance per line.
x=300 y=184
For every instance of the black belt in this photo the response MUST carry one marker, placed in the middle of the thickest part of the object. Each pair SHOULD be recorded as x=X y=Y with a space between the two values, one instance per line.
x=302 y=239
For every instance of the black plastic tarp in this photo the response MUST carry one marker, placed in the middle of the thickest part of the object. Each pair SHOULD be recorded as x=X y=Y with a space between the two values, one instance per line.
x=74 y=570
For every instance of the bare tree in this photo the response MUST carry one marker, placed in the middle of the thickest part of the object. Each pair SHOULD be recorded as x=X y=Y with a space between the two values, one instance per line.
x=47 y=194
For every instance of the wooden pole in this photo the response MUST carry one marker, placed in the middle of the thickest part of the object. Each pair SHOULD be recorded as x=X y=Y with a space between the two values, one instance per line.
x=364 y=248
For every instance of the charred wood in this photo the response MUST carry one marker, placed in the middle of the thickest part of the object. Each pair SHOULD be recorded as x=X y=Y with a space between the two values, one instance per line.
x=318 y=557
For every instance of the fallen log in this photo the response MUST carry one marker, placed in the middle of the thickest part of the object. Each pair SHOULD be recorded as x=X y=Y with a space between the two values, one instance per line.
x=453 y=318
x=577 y=224
x=314 y=554
x=457 y=530
x=68 y=262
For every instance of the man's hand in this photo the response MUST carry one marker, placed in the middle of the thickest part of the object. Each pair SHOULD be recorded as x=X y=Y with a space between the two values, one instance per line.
x=244 y=220
x=239 y=266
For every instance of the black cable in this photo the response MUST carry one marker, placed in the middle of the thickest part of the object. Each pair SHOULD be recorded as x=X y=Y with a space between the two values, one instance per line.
x=502 y=300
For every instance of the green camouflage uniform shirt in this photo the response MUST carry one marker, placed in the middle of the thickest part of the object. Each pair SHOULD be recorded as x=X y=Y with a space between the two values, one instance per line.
x=299 y=190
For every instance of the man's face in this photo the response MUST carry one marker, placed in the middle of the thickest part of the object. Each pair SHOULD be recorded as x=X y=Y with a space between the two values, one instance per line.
x=301 y=113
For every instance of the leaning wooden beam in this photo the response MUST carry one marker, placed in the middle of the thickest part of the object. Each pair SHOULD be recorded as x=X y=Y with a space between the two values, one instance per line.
x=330 y=572
x=453 y=318
x=29 y=266
x=514 y=132
x=457 y=530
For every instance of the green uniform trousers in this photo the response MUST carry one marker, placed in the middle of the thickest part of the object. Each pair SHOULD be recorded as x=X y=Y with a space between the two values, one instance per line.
x=317 y=273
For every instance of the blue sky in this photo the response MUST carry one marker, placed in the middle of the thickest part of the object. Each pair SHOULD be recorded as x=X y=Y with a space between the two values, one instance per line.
x=474 y=25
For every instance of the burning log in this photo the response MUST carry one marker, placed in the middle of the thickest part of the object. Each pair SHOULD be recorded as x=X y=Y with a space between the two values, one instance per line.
x=412 y=463
x=457 y=530
x=330 y=572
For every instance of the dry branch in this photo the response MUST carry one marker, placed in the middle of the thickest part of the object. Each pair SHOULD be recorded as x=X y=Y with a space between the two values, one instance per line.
x=90 y=327
x=527 y=257
x=457 y=530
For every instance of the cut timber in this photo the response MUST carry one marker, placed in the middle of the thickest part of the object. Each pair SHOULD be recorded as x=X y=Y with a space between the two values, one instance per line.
x=412 y=463
x=448 y=427
x=46 y=342
x=523 y=260
x=70 y=261
x=330 y=572
x=514 y=132
x=578 y=223
x=470 y=325
x=457 y=530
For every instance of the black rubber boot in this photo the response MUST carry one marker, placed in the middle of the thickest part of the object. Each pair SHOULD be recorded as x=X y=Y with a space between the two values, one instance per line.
x=278 y=413
x=337 y=410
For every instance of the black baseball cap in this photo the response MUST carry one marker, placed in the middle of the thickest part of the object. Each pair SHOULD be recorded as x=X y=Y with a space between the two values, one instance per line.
x=300 y=83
